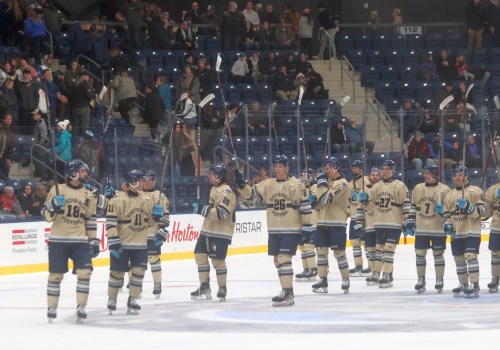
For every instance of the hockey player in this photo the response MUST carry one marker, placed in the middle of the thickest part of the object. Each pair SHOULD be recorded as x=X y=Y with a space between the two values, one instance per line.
x=492 y=199
x=71 y=210
x=464 y=207
x=287 y=211
x=216 y=233
x=390 y=202
x=427 y=199
x=307 y=251
x=154 y=251
x=356 y=228
x=365 y=217
x=129 y=217
x=333 y=195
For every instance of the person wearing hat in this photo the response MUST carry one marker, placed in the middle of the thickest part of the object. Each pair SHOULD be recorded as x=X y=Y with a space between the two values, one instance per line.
x=240 y=73
x=87 y=151
x=354 y=134
x=306 y=26
x=63 y=144
x=28 y=98
x=125 y=93
x=6 y=146
x=186 y=37
x=9 y=100
x=373 y=21
x=327 y=31
x=42 y=140
x=189 y=61
x=80 y=96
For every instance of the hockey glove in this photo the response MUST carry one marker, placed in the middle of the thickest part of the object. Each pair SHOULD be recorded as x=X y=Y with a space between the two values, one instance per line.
x=161 y=237
x=448 y=229
x=157 y=212
x=498 y=192
x=239 y=179
x=465 y=205
x=409 y=227
x=95 y=246
x=201 y=209
x=354 y=196
x=362 y=197
x=55 y=205
x=90 y=188
x=313 y=200
x=359 y=230
x=115 y=247
x=439 y=209
x=109 y=192
x=322 y=180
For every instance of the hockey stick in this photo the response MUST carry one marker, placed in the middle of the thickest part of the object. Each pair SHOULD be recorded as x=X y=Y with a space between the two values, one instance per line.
x=299 y=103
x=492 y=143
x=441 y=107
x=167 y=153
x=202 y=104
x=105 y=129
x=328 y=130
x=469 y=88
x=54 y=168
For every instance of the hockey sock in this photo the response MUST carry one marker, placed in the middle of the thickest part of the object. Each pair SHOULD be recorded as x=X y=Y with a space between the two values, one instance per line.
x=342 y=262
x=439 y=262
x=388 y=257
x=473 y=267
x=303 y=256
x=357 y=252
x=421 y=261
x=495 y=263
x=54 y=289
x=115 y=283
x=155 y=262
x=322 y=261
x=82 y=286
x=461 y=269
x=311 y=255
x=136 y=281
x=203 y=267
x=285 y=271
x=379 y=257
x=220 y=270
x=370 y=255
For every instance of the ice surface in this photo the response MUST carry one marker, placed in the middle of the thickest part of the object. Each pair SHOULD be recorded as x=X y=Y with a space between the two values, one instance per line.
x=367 y=317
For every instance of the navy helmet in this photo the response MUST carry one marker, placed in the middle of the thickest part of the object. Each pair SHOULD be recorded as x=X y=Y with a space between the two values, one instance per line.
x=333 y=162
x=389 y=163
x=218 y=169
x=73 y=166
x=432 y=169
x=307 y=171
x=357 y=163
x=150 y=173
x=461 y=169
x=375 y=169
x=134 y=176
x=280 y=159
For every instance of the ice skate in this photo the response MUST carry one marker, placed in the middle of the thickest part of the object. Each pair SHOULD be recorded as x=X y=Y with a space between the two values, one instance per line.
x=51 y=314
x=321 y=286
x=132 y=306
x=493 y=285
x=301 y=277
x=111 y=306
x=81 y=315
x=385 y=281
x=373 y=278
x=420 y=286
x=366 y=272
x=439 y=284
x=285 y=298
x=458 y=291
x=221 y=293
x=202 y=293
x=356 y=271
x=157 y=290
x=312 y=274
x=345 y=285
x=472 y=290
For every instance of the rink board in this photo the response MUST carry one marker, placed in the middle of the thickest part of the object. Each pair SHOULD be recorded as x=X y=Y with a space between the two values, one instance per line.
x=23 y=245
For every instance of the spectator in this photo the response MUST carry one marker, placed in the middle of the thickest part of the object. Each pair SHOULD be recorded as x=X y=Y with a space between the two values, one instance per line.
x=473 y=153
x=265 y=37
x=15 y=16
x=27 y=202
x=212 y=124
x=189 y=82
x=463 y=117
x=474 y=18
x=80 y=96
x=79 y=41
x=211 y=21
x=152 y=15
x=306 y=25
x=315 y=87
x=248 y=37
x=206 y=78
x=73 y=73
x=327 y=24
x=133 y=12
x=125 y=93
x=291 y=65
x=492 y=14
x=285 y=37
x=8 y=95
x=261 y=176
x=354 y=134
x=165 y=92
x=9 y=203
x=63 y=142
x=445 y=67
x=444 y=92
x=256 y=67
x=251 y=15
x=188 y=113
x=270 y=16
x=460 y=94
x=231 y=26
x=373 y=21
x=42 y=140
x=186 y=37
x=154 y=108
x=270 y=66
x=410 y=117
x=240 y=73
x=338 y=139
x=283 y=87
x=430 y=122
x=6 y=147
x=87 y=151
x=303 y=66
x=397 y=16
x=40 y=197
x=428 y=69
x=455 y=154
x=34 y=30
x=189 y=61
x=292 y=18
x=257 y=120
x=192 y=15
x=182 y=145
x=463 y=68
x=28 y=98
x=453 y=119
x=53 y=94
x=166 y=35
x=435 y=151
x=418 y=152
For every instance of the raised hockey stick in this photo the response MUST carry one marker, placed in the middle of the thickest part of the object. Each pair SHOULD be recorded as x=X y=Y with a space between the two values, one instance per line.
x=54 y=168
x=202 y=104
x=105 y=128
x=164 y=171
x=492 y=143
x=328 y=130
x=442 y=106
x=299 y=103
x=469 y=88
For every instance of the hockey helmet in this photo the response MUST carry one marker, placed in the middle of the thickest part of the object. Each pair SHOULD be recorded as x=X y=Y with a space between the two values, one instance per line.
x=375 y=169
x=73 y=166
x=134 y=176
x=389 y=163
x=307 y=171
x=280 y=159
x=333 y=162
x=357 y=163
x=150 y=174
x=218 y=169
x=461 y=169
x=433 y=169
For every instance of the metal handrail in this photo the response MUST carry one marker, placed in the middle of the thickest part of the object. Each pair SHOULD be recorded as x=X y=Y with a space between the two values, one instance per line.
x=51 y=42
x=233 y=156
x=378 y=111
x=353 y=79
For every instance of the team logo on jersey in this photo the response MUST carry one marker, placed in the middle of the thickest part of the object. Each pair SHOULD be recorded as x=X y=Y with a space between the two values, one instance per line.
x=279 y=202
x=384 y=202
x=426 y=208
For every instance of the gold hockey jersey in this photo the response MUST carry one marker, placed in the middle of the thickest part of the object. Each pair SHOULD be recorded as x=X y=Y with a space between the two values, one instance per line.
x=78 y=222
x=334 y=203
x=424 y=200
x=314 y=212
x=356 y=185
x=129 y=218
x=287 y=207
x=390 y=202
x=465 y=225
x=155 y=195
x=220 y=220
x=493 y=208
